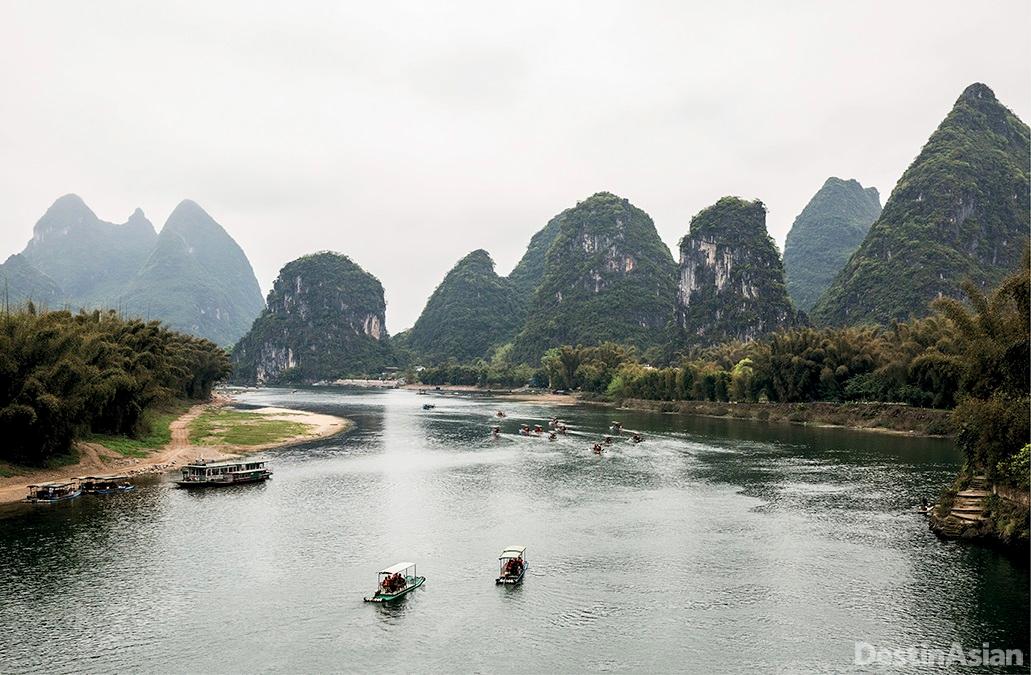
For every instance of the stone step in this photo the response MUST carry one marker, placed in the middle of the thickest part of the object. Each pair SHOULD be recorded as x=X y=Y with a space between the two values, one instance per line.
x=967 y=509
x=973 y=493
x=968 y=518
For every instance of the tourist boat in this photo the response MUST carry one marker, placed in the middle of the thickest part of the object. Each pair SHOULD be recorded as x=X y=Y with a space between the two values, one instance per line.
x=214 y=474
x=105 y=485
x=513 y=565
x=396 y=581
x=53 y=492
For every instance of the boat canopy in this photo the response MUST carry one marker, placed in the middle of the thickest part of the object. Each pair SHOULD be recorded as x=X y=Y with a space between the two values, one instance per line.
x=398 y=567
x=52 y=484
x=222 y=465
x=512 y=552
x=112 y=477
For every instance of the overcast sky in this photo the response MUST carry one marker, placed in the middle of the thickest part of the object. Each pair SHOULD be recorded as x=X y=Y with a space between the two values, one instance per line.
x=406 y=135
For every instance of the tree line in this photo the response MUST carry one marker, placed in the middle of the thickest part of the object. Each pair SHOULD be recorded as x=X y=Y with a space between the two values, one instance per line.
x=65 y=375
x=971 y=357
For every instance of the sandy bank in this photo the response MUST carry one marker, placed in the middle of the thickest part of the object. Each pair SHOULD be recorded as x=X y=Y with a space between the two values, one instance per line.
x=96 y=459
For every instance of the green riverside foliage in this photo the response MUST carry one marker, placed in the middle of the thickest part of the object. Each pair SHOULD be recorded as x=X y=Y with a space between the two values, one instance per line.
x=197 y=279
x=825 y=235
x=607 y=277
x=731 y=283
x=472 y=311
x=65 y=376
x=960 y=211
x=994 y=342
x=325 y=320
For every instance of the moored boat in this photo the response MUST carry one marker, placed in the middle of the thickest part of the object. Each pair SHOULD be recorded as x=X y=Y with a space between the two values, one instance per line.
x=53 y=492
x=215 y=474
x=396 y=581
x=513 y=565
x=105 y=485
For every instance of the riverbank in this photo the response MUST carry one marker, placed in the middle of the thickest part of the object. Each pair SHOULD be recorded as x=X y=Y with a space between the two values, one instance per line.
x=225 y=433
x=529 y=395
x=879 y=417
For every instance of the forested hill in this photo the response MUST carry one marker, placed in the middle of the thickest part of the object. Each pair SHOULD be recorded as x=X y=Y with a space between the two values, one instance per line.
x=325 y=320
x=65 y=375
x=196 y=279
x=471 y=311
x=824 y=235
x=607 y=276
x=731 y=281
x=193 y=276
x=90 y=260
x=960 y=211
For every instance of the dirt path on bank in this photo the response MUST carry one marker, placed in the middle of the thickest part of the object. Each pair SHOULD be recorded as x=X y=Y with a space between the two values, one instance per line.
x=96 y=459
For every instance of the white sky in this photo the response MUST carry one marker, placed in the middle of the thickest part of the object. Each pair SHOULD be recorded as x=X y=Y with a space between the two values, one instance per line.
x=408 y=134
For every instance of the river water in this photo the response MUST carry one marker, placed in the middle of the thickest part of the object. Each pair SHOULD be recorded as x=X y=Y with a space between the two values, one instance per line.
x=714 y=545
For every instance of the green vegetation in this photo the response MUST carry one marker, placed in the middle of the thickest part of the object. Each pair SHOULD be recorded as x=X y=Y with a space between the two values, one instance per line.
x=66 y=376
x=731 y=283
x=197 y=279
x=526 y=276
x=156 y=432
x=959 y=212
x=825 y=235
x=325 y=320
x=223 y=426
x=472 y=311
x=607 y=277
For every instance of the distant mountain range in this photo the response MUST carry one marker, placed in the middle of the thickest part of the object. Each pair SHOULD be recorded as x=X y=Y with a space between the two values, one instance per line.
x=596 y=272
x=193 y=276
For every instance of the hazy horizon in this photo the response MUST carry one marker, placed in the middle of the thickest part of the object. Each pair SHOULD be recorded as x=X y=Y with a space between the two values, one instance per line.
x=407 y=136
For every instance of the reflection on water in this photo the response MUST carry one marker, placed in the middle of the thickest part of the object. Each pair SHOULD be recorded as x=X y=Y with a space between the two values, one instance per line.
x=715 y=545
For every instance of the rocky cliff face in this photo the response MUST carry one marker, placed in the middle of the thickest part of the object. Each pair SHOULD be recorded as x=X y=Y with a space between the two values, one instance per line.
x=197 y=279
x=823 y=237
x=731 y=281
x=607 y=276
x=325 y=320
x=470 y=312
x=960 y=211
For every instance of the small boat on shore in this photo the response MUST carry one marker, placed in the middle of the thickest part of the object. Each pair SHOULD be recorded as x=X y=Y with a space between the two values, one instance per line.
x=105 y=485
x=396 y=581
x=513 y=565
x=53 y=492
x=217 y=474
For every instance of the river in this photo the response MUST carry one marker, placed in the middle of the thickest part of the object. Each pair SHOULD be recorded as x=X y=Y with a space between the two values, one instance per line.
x=713 y=546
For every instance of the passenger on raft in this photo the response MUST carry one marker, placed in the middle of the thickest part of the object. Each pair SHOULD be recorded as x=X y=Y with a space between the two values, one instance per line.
x=636 y=438
x=525 y=430
x=394 y=583
x=552 y=436
x=495 y=431
x=608 y=440
x=597 y=448
x=513 y=567
x=501 y=413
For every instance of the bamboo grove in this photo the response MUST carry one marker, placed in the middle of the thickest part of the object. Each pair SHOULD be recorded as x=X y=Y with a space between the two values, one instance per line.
x=65 y=375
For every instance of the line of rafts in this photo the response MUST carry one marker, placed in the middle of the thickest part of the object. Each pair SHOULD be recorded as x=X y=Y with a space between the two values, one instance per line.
x=200 y=474
x=556 y=427
x=63 y=491
x=402 y=578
